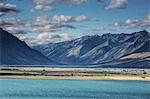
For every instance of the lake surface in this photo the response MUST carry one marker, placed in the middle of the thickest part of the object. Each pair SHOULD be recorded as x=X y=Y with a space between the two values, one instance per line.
x=73 y=89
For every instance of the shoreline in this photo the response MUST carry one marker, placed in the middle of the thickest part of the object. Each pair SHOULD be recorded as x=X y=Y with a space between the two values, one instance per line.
x=114 y=77
x=75 y=73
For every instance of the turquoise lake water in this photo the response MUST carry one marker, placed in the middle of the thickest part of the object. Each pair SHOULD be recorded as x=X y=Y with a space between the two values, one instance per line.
x=73 y=89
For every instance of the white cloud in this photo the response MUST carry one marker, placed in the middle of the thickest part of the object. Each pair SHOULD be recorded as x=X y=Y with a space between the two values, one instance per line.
x=116 y=24
x=61 y=18
x=52 y=24
x=134 y=23
x=81 y=18
x=2 y=13
x=115 y=4
x=46 y=26
x=46 y=5
x=12 y=25
x=7 y=8
x=43 y=27
x=55 y=23
x=10 y=22
x=14 y=30
x=46 y=37
x=148 y=16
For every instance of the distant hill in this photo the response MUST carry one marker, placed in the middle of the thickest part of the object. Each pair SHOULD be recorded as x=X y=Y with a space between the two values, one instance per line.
x=16 y=52
x=108 y=50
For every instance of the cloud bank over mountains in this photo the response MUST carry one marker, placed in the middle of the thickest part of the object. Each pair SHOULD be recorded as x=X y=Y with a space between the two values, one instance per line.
x=48 y=20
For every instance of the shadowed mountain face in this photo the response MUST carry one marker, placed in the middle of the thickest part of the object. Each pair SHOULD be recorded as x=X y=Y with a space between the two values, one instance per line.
x=106 y=50
x=16 y=52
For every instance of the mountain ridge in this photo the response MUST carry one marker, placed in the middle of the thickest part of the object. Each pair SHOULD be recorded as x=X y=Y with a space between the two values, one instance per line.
x=89 y=50
x=17 y=52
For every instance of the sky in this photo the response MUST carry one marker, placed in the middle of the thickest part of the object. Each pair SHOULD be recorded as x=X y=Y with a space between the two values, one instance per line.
x=46 y=21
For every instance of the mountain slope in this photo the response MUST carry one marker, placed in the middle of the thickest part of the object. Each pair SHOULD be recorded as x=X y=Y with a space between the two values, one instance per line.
x=96 y=49
x=16 y=52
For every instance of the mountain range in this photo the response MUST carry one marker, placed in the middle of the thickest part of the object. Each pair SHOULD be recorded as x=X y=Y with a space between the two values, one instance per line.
x=108 y=50
x=16 y=52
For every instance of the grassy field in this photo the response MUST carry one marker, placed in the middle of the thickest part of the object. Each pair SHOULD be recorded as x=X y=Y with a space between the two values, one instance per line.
x=75 y=73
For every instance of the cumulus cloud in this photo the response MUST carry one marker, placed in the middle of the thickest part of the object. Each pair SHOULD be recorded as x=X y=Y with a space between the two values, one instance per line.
x=63 y=18
x=81 y=18
x=45 y=24
x=46 y=28
x=7 y=8
x=44 y=38
x=117 y=4
x=148 y=17
x=134 y=23
x=46 y=5
x=14 y=30
x=10 y=22
x=42 y=24
x=12 y=25
x=55 y=23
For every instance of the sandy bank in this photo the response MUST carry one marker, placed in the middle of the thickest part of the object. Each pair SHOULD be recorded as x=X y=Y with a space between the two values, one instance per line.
x=115 y=77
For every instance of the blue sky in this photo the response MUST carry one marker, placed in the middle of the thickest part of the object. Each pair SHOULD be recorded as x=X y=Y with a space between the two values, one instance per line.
x=43 y=21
